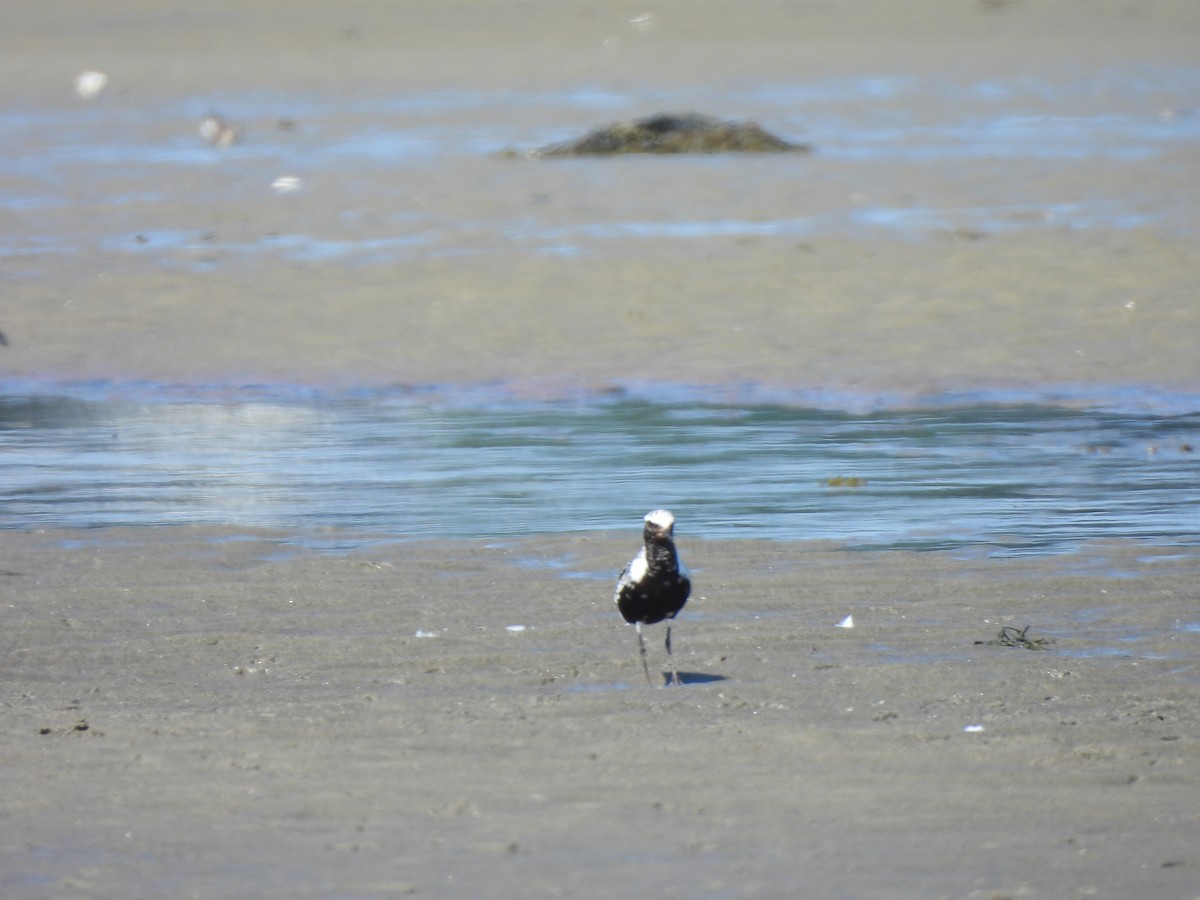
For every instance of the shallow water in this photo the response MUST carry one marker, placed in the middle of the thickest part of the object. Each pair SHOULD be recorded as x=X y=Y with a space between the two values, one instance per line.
x=380 y=178
x=448 y=463
x=1016 y=145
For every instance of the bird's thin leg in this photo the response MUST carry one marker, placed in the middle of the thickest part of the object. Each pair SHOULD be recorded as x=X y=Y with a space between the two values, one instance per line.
x=642 y=645
x=671 y=659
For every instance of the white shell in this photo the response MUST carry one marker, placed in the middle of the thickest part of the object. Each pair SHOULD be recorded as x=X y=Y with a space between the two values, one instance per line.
x=89 y=84
x=219 y=133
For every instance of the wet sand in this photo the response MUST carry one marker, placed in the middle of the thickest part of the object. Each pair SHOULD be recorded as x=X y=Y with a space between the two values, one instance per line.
x=1015 y=313
x=204 y=713
x=1051 y=304
x=220 y=713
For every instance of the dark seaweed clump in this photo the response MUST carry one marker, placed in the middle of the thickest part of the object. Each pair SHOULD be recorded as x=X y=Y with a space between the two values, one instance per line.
x=1019 y=637
x=674 y=133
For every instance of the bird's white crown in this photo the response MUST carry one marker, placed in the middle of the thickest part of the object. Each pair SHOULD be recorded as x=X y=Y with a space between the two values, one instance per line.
x=661 y=518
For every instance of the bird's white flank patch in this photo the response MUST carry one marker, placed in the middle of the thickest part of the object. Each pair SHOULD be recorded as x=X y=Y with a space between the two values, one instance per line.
x=638 y=567
x=661 y=518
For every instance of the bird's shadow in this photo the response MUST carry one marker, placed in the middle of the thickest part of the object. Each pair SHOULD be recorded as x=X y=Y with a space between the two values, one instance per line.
x=694 y=678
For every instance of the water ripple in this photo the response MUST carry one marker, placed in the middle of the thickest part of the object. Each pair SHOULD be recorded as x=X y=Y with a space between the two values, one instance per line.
x=1019 y=479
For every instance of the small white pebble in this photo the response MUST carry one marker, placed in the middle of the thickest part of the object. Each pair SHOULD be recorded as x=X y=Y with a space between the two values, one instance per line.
x=847 y=622
x=421 y=633
x=218 y=132
x=286 y=184
x=643 y=23
x=515 y=628
x=89 y=84
x=972 y=729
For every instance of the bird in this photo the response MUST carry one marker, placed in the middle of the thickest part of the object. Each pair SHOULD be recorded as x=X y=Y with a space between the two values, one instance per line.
x=655 y=585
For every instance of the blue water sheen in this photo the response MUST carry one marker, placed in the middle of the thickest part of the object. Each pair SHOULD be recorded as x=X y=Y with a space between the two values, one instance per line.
x=425 y=463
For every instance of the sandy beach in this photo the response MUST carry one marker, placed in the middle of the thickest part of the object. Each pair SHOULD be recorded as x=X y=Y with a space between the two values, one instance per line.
x=214 y=714
x=226 y=712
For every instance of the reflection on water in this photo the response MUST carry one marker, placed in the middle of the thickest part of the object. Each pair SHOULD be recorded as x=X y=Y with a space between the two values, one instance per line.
x=1020 y=478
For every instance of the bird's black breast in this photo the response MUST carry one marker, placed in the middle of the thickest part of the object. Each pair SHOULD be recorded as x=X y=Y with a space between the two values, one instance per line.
x=658 y=596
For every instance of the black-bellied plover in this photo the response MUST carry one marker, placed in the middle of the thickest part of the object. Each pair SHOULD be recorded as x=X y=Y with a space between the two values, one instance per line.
x=655 y=585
